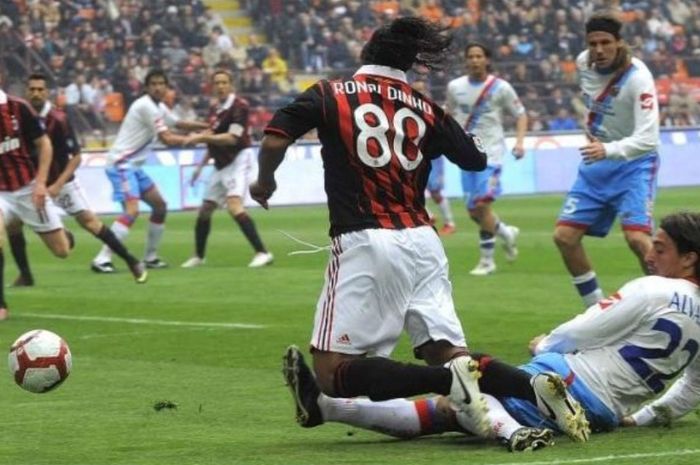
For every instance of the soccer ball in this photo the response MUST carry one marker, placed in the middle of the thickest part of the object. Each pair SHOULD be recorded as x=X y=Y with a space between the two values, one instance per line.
x=39 y=360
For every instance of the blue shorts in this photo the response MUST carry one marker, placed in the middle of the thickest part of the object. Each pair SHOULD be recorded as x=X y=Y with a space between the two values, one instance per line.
x=598 y=414
x=481 y=186
x=436 y=180
x=128 y=183
x=611 y=188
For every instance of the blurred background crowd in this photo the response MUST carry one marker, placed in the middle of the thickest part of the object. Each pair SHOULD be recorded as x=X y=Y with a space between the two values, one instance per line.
x=97 y=52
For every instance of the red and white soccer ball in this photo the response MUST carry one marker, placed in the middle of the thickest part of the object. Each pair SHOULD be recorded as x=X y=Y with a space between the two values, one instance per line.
x=39 y=360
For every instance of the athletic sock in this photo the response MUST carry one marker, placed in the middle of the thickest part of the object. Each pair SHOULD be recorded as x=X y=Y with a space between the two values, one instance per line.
x=487 y=242
x=446 y=211
x=121 y=231
x=110 y=239
x=201 y=233
x=155 y=234
x=502 y=380
x=381 y=379
x=502 y=424
x=588 y=289
x=18 y=247
x=247 y=226
x=400 y=418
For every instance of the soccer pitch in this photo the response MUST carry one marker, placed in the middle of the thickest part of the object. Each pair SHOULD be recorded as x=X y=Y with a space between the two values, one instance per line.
x=209 y=341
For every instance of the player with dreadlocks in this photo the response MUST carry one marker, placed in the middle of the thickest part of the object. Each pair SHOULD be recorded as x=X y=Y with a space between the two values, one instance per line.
x=387 y=269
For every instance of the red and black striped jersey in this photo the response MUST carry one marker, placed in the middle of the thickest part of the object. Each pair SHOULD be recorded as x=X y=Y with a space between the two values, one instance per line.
x=378 y=136
x=19 y=128
x=232 y=117
x=65 y=143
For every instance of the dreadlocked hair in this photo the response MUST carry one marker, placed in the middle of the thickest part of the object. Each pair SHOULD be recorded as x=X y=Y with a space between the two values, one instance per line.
x=405 y=42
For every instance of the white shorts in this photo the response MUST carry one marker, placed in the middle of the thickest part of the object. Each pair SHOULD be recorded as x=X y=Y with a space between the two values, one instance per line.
x=379 y=282
x=18 y=205
x=72 y=198
x=230 y=181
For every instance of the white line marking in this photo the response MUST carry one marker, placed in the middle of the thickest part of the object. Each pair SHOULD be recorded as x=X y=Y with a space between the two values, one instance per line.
x=140 y=321
x=607 y=458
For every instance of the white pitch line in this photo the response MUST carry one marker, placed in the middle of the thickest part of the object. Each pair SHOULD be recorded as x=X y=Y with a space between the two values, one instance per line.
x=139 y=321
x=608 y=458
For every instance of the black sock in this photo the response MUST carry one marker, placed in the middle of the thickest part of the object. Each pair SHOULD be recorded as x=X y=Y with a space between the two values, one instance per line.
x=502 y=380
x=201 y=233
x=248 y=227
x=107 y=236
x=381 y=379
x=18 y=247
x=2 y=280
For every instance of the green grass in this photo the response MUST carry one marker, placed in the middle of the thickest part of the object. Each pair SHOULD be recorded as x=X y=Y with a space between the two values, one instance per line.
x=232 y=405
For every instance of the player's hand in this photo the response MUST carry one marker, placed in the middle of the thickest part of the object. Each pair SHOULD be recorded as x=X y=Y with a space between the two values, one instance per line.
x=53 y=190
x=518 y=151
x=192 y=139
x=593 y=151
x=261 y=192
x=628 y=421
x=532 y=346
x=39 y=197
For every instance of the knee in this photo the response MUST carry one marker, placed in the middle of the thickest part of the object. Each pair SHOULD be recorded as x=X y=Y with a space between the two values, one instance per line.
x=436 y=353
x=638 y=241
x=564 y=238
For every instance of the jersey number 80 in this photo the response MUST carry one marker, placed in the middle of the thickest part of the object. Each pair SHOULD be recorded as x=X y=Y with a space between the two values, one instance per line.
x=380 y=134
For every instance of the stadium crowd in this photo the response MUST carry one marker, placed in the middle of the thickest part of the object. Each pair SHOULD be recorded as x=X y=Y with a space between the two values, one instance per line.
x=98 y=49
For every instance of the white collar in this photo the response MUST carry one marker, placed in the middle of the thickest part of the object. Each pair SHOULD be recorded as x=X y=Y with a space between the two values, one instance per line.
x=3 y=97
x=227 y=104
x=46 y=109
x=384 y=71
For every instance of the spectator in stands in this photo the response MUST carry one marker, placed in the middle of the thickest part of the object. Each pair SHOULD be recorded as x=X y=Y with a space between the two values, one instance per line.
x=563 y=121
x=275 y=69
x=256 y=51
x=683 y=108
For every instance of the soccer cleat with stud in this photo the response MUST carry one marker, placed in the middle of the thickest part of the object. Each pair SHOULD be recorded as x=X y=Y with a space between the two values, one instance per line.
x=193 y=262
x=554 y=401
x=23 y=281
x=261 y=259
x=303 y=387
x=155 y=263
x=139 y=272
x=510 y=246
x=466 y=398
x=527 y=439
x=483 y=268
x=105 y=267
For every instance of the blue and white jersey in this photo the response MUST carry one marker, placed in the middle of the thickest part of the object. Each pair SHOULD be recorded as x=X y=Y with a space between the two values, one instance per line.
x=628 y=347
x=143 y=122
x=623 y=109
x=479 y=105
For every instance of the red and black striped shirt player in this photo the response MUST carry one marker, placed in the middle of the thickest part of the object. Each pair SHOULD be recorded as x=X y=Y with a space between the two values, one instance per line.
x=19 y=128
x=378 y=136
x=233 y=113
x=63 y=139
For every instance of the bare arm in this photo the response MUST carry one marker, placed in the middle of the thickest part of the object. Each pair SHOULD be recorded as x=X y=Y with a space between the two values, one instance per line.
x=170 y=138
x=191 y=125
x=45 y=153
x=520 y=131
x=222 y=139
x=65 y=175
x=271 y=155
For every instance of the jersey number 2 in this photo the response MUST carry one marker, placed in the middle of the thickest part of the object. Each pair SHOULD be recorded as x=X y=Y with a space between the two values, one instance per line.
x=380 y=132
x=637 y=356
